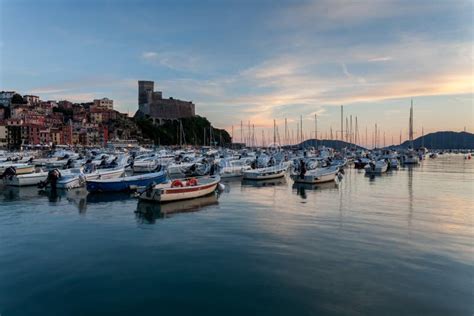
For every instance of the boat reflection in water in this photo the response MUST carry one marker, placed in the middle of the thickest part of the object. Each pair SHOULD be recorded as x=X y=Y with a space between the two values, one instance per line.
x=149 y=212
x=109 y=197
x=263 y=183
x=301 y=188
x=10 y=193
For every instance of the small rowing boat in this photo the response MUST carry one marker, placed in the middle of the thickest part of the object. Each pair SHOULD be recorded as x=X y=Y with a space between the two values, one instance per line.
x=181 y=189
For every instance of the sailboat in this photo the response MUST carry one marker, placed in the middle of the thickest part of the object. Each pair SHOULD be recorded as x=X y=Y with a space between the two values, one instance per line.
x=411 y=157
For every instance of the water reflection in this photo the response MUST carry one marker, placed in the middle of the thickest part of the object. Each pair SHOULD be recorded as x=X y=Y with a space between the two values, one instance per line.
x=264 y=183
x=302 y=187
x=410 y=194
x=148 y=212
x=10 y=193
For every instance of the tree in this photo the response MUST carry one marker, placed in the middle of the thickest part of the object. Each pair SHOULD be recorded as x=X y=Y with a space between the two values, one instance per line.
x=18 y=99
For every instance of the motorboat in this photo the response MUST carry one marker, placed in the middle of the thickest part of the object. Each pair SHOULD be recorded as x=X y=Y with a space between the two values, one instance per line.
x=127 y=183
x=181 y=189
x=20 y=168
x=273 y=172
x=378 y=167
x=29 y=179
x=318 y=175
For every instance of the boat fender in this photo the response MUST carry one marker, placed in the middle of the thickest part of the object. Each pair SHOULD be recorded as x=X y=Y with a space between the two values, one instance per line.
x=192 y=182
x=176 y=183
x=221 y=187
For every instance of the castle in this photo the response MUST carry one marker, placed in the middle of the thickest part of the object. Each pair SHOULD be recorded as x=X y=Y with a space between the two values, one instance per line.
x=152 y=104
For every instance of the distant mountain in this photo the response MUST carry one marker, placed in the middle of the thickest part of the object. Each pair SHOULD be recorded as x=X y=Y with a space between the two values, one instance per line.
x=336 y=144
x=443 y=140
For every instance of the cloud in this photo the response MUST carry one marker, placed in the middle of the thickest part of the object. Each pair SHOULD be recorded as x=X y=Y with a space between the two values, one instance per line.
x=149 y=55
x=377 y=59
x=180 y=61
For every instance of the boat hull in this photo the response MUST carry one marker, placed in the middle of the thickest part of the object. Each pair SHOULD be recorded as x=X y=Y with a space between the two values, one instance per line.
x=264 y=174
x=124 y=184
x=30 y=179
x=167 y=193
x=312 y=179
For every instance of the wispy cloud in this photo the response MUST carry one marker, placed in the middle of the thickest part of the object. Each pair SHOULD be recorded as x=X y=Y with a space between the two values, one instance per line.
x=173 y=60
x=378 y=59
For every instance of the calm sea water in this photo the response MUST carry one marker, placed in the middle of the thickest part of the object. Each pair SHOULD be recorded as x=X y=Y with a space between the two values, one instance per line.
x=397 y=244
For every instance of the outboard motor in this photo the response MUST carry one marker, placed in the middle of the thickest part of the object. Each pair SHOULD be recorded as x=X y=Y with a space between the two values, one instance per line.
x=212 y=171
x=53 y=177
x=69 y=164
x=302 y=169
x=9 y=173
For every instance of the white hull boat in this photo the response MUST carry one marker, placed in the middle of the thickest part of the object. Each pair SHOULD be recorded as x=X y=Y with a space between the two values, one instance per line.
x=20 y=168
x=182 y=189
x=29 y=179
x=76 y=178
x=319 y=175
x=265 y=173
x=378 y=167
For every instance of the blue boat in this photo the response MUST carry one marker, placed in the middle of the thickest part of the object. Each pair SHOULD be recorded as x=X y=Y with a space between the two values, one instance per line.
x=127 y=183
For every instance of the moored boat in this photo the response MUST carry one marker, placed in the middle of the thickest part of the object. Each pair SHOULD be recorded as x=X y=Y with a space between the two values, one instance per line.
x=377 y=167
x=265 y=173
x=20 y=168
x=29 y=179
x=319 y=175
x=127 y=183
x=181 y=189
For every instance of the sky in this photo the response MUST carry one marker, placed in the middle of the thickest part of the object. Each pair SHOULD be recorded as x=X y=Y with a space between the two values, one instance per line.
x=253 y=61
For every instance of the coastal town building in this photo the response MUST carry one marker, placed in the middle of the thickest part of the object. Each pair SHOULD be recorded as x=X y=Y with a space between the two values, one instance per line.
x=6 y=98
x=104 y=104
x=151 y=103
x=29 y=121
x=31 y=99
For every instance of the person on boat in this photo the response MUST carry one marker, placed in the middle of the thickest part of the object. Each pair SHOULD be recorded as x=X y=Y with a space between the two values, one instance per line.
x=302 y=169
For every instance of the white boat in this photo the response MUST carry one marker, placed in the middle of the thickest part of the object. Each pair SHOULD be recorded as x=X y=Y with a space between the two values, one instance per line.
x=377 y=167
x=28 y=179
x=141 y=166
x=233 y=168
x=20 y=168
x=318 y=175
x=181 y=189
x=393 y=163
x=411 y=159
x=265 y=173
x=77 y=178
x=179 y=168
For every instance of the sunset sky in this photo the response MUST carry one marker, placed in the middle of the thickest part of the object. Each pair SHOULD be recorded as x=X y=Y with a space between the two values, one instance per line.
x=252 y=60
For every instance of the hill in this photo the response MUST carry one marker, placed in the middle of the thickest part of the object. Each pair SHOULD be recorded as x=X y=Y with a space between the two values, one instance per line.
x=336 y=144
x=443 y=140
x=193 y=128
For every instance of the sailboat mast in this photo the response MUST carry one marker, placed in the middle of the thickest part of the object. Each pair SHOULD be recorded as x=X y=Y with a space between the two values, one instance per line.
x=342 y=124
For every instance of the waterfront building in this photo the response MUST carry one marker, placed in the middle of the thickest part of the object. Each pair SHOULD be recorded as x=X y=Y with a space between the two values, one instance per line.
x=3 y=135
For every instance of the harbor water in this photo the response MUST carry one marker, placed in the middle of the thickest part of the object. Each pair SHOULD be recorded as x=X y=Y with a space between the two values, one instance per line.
x=396 y=244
